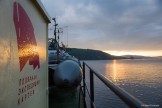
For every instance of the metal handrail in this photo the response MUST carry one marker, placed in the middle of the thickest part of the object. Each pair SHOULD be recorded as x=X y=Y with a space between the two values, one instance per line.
x=129 y=99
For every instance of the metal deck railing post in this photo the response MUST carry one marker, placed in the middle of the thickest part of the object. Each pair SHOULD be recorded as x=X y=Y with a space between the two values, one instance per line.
x=91 y=88
x=84 y=91
x=84 y=79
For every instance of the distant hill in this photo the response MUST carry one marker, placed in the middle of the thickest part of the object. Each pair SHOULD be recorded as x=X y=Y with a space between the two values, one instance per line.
x=89 y=54
x=159 y=57
x=135 y=57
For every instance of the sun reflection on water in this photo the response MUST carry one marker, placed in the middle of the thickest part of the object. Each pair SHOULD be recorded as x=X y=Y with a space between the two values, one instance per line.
x=115 y=71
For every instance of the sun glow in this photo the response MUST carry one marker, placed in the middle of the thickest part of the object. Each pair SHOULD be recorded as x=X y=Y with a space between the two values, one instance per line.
x=141 y=53
x=115 y=71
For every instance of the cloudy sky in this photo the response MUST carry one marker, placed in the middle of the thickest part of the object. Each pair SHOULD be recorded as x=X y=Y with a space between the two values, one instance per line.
x=116 y=26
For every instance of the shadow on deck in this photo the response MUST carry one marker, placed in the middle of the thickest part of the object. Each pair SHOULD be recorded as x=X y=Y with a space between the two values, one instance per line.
x=65 y=98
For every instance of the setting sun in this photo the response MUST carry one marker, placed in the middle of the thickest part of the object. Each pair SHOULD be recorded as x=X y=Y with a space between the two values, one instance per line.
x=141 y=53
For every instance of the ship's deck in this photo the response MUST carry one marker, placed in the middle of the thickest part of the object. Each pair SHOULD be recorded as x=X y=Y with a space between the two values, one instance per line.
x=61 y=98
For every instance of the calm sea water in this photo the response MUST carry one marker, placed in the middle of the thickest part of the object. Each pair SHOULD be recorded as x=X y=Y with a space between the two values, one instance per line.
x=142 y=78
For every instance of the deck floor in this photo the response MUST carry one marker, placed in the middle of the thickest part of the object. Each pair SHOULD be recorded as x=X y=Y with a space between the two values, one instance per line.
x=61 y=98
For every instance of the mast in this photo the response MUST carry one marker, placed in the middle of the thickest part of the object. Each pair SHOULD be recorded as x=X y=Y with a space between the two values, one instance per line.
x=55 y=39
x=55 y=24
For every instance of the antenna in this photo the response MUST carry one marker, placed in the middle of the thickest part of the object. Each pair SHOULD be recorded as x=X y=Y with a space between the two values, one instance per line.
x=67 y=34
x=54 y=19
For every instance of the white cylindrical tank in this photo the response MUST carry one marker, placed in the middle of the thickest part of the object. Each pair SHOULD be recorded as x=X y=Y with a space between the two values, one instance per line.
x=68 y=74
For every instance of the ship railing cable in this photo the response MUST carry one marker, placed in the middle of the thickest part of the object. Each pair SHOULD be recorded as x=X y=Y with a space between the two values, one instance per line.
x=126 y=97
x=81 y=91
x=91 y=102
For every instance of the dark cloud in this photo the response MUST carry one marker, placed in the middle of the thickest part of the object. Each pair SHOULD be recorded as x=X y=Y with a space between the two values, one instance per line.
x=110 y=24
